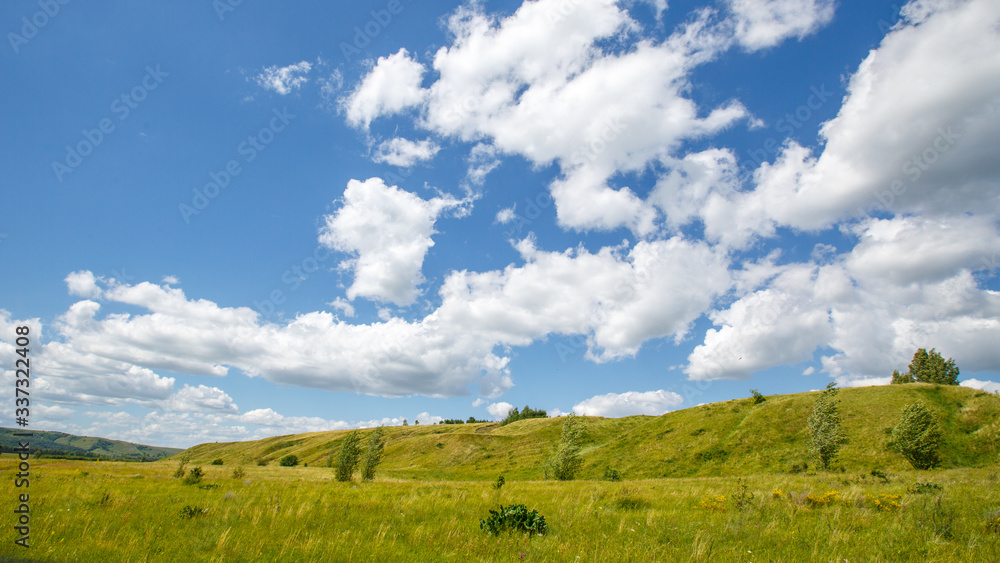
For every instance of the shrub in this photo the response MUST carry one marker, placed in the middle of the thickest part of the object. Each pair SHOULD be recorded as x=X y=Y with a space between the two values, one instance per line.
x=565 y=461
x=824 y=427
x=261 y=462
x=713 y=503
x=612 y=474
x=993 y=522
x=920 y=488
x=917 y=436
x=373 y=454
x=823 y=499
x=217 y=461
x=799 y=468
x=194 y=476
x=239 y=473
x=192 y=511
x=180 y=469
x=348 y=458
x=880 y=475
x=500 y=483
x=758 y=398
x=742 y=496
x=515 y=518
x=290 y=460
x=886 y=503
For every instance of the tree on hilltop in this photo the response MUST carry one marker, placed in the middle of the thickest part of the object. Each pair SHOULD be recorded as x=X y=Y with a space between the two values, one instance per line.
x=928 y=367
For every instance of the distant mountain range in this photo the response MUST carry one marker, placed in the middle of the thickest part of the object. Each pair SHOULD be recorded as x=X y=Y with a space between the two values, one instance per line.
x=59 y=444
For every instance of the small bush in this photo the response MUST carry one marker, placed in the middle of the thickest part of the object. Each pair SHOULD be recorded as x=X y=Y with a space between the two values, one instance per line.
x=758 y=398
x=290 y=460
x=993 y=522
x=500 y=483
x=920 y=488
x=886 y=503
x=742 y=496
x=799 y=468
x=514 y=518
x=192 y=511
x=612 y=474
x=261 y=462
x=194 y=476
x=217 y=461
x=880 y=475
x=179 y=474
x=713 y=503
x=823 y=499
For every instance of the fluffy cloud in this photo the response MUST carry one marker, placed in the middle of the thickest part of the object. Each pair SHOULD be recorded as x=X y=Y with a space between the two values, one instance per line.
x=499 y=410
x=915 y=134
x=765 y=23
x=988 y=386
x=630 y=403
x=83 y=284
x=404 y=152
x=392 y=86
x=389 y=230
x=283 y=80
x=199 y=399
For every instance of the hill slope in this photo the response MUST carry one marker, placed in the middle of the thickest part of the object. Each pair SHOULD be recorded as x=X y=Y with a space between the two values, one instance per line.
x=62 y=444
x=728 y=438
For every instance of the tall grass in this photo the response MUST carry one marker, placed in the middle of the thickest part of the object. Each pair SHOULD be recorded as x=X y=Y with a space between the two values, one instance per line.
x=132 y=512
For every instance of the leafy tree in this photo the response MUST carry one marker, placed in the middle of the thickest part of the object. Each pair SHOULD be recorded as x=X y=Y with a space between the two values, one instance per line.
x=290 y=460
x=348 y=458
x=900 y=378
x=373 y=455
x=929 y=367
x=824 y=426
x=917 y=436
x=565 y=461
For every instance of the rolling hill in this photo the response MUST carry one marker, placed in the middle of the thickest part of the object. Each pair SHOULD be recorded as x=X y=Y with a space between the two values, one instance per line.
x=60 y=444
x=729 y=438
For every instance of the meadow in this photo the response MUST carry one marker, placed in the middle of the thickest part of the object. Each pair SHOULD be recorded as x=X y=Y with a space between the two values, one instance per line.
x=723 y=482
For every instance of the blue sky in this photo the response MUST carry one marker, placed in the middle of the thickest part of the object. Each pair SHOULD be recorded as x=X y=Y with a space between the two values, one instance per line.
x=225 y=222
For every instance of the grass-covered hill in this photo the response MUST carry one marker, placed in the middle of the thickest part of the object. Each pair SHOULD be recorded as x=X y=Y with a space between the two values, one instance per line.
x=729 y=438
x=59 y=444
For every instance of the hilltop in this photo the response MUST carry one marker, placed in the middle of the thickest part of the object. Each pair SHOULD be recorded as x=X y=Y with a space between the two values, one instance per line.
x=728 y=438
x=60 y=444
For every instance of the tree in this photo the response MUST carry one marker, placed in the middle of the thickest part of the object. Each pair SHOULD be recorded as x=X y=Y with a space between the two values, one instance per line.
x=348 y=458
x=824 y=426
x=514 y=415
x=565 y=461
x=900 y=378
x=373 y=455
x=917 y=436
x=929 y=367
x=290 y=460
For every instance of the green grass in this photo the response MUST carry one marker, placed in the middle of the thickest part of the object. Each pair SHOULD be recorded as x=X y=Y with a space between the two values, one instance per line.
x=728 y=438
x=132 y=512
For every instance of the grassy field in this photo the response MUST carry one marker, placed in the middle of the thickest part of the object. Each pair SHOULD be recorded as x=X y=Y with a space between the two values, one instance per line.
x=711 y=483
x=133 y=512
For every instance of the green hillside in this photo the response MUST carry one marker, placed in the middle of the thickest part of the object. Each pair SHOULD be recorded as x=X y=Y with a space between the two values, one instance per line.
x=59 y=444
x=729 y=438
